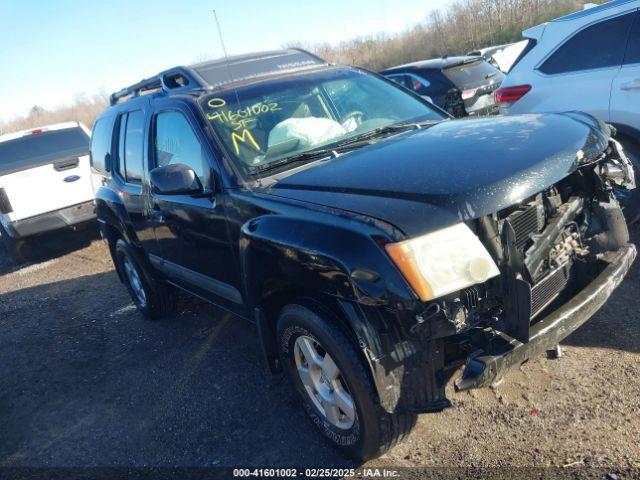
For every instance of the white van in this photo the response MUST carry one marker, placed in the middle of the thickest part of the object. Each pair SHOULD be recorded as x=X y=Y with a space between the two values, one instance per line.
x=45 y=183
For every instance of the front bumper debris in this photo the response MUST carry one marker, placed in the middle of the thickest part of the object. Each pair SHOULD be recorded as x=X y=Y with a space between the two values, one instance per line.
x=482 y=370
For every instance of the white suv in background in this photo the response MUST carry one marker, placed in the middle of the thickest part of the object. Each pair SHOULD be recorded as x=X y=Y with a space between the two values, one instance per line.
x=588 y=61
x=45 y=183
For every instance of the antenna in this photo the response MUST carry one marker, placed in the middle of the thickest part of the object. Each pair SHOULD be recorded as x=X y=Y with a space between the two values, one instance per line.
x=385 y=25
x=226 y=57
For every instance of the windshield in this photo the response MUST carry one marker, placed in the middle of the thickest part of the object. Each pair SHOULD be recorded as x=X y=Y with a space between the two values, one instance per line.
x=34 y=149
x=269 y=122
x=473 y=74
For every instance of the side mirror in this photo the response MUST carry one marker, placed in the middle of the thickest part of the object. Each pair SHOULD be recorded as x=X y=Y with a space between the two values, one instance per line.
x=176 y=179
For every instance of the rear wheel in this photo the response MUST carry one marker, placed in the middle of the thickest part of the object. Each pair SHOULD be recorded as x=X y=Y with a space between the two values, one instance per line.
x=153 y=298
x=15 y=249
x=630 y=199
x=335 y=387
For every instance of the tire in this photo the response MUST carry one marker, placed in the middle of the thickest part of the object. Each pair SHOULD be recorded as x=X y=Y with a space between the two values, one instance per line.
x=630 y=200
x=153 y=299
x=362 y=432
x=15 y=249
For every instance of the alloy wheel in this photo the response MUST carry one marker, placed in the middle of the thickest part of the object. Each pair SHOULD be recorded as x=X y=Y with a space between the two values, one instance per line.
x=134 y=281
x=323 y=383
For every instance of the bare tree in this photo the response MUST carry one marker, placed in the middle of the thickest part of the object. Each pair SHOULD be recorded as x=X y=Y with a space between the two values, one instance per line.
x=466 y=25
x=84 y=109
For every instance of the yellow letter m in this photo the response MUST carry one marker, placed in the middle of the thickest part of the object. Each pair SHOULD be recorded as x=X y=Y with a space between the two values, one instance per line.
x=245 y=137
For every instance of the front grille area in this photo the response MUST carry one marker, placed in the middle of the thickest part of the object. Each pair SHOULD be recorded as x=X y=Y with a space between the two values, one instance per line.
x=547 y=289
x=526 y=222
x=542 y=256
x=470 y=297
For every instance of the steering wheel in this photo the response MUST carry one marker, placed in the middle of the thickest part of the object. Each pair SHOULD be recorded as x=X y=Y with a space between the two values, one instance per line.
x=352 y=121
x=356 y=115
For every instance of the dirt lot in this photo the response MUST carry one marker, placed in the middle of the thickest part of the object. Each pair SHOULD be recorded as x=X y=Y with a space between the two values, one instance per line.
x=84 y=381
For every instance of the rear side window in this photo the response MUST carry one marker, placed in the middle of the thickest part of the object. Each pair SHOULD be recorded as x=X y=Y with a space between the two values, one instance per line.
x=101 y=144
x=418 y=85
x=412 y=82
x=400 y=80
x=131 y=146
x=34 y=149
x=633 y=45
x=598 y=46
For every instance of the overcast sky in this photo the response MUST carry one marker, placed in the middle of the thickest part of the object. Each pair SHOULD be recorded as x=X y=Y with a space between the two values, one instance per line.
x=51 y=51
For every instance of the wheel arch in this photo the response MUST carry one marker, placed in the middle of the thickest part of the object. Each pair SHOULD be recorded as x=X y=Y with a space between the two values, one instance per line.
x=110 y=210
x=114 y=224
x=288 y=260
x=266 y=317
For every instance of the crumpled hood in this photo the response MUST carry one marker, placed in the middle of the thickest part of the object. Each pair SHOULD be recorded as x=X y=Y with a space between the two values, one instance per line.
x=453 y=171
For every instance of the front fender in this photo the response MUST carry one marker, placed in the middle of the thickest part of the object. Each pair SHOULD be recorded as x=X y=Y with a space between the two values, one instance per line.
x=343 y=265
x=343 y=259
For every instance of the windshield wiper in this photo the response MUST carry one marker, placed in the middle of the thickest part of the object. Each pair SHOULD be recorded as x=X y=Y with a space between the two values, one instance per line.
x=353 y=143
x=300 y=157
x=396 y=127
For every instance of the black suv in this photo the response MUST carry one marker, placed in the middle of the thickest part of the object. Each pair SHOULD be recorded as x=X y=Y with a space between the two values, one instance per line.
x=377 y=244
x=461 y=85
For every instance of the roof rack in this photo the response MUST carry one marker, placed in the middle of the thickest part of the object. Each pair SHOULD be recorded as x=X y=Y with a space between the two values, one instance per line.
x=222 y=72
x=174 y=79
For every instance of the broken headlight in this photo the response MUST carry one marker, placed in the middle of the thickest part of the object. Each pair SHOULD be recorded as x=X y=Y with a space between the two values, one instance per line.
x=443 y=261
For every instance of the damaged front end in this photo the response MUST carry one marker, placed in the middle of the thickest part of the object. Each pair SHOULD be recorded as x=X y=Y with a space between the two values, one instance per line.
x=561 y=253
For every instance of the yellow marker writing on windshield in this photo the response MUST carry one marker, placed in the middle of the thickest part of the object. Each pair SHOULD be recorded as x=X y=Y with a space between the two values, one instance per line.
x=246 y=136
x=217 y=102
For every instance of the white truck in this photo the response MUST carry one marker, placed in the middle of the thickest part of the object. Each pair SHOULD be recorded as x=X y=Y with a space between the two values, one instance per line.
x=45 y=183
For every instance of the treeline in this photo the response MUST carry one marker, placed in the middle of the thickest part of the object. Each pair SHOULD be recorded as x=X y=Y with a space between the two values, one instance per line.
x=465 y=26
x=84 y=109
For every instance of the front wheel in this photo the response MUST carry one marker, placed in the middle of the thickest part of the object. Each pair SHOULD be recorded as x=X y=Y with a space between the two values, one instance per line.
x=335 y=387
x=152 y=298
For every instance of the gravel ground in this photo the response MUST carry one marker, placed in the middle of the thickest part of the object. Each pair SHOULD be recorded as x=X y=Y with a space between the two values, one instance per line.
x=85 y=381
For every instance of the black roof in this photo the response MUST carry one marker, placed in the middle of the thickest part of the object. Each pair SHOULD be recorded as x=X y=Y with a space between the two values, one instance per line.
x=224 y=72
x=434 y=63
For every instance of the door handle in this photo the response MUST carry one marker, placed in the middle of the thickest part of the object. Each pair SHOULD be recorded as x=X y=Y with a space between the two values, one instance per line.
x=631 y=86
x=156 y=215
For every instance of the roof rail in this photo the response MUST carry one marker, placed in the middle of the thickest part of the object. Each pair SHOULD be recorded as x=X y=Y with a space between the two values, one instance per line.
x=220 y=72
x=312 y=55
x=174 y=79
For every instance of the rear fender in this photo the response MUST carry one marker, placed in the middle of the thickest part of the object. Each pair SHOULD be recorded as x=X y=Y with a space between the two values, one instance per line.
x=113 y=221
x=110 y=210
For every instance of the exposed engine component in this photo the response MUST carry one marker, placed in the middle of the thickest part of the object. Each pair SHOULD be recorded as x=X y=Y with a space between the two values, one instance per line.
x=527 y=220
x=545 y=243
x=569 y=244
